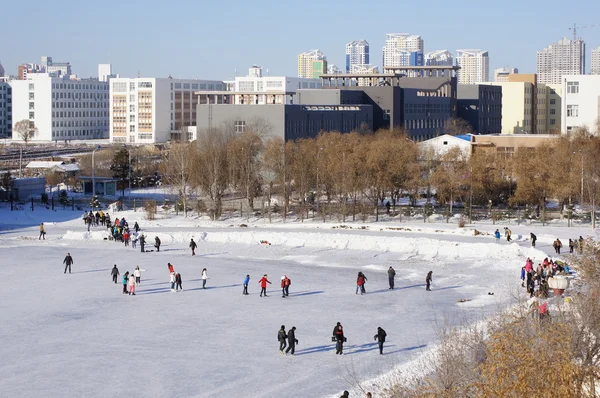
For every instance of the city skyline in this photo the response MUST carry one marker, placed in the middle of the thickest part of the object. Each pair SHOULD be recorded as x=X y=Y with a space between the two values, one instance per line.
x=181 y=50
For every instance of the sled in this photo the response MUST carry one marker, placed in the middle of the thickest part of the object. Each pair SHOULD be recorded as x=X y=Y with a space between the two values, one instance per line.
x=463 y=300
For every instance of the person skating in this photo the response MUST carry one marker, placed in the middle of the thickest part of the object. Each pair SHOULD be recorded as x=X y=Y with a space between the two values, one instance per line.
x=125 y=280
x=533 y=238
x=142 y=243
x=380 y=337
x=126 y=238
x=507 y=234
x=428 y=280
x=338 y=334
x=204 y=278
x=134 y=239
x=360 y=283
x=571 y=246
x=178 y=282
x=193 y=246
x=285 y=286
x=115 y=273
x=391 y=275
x=282 y=338
x=172 y=279
x=557 y=245
x=292 y=341
x=137 y=273
x=136 y=227
x=157 y=243
x=131 y=285
x=246 y=282
x=42 y=232
x=497 y=236
x=68 y=261
x=263 y=285
x=171 y=268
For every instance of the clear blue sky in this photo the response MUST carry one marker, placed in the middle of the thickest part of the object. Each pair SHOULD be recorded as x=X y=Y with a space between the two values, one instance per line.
x=210 y=39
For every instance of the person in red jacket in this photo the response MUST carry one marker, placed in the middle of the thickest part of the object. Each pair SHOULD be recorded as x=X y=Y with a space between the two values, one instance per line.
x=126 y=238
x=171 y=269
x=285 y=286
x=360 y=283
x=263 y=284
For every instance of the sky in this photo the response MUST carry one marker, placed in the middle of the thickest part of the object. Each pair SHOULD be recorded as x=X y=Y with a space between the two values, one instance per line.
x=213 y=39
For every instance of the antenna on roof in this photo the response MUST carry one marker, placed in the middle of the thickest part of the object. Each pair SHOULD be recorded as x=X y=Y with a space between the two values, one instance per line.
x=138 y=73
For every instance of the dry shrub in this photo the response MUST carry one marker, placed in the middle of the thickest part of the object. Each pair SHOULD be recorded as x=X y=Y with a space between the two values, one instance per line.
x=150 y=208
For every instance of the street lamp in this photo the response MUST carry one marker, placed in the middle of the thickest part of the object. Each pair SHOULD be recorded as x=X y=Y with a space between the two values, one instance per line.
x=94 y=172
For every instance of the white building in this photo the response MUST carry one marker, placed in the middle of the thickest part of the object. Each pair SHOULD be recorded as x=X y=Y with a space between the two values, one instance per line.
x=1 y=70
x=105 y=72
x=5 y=110
x=501 y=75
x=517 y=107
x=442 y=144
x=61 y=109
x=595 y=62
x=581 y=103
x=312 y=64
x=566 y=57
x=332 y=69
x=357 y=53
x=60 y=69
x=151 y=110
x=474 y=66
x=403 y=49
x=439 y=58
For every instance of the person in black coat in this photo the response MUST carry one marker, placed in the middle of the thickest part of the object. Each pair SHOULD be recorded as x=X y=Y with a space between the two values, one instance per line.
x=338 y=334
x=157 y=243
x=68 y=261
x=142 y=242
x=428 y=280
x=282 y=337
x=533 y=238
x=193 y=246
x=292 y=341
x=380 y=337
x=136 y=227
x=115 y=273
x=391 y=275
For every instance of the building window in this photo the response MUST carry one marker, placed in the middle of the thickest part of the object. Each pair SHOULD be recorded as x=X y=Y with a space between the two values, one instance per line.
x=573 y=87
x=552 y=101
x=572 y=110
x=553 y=111
x=239 y=126
x=552 y=122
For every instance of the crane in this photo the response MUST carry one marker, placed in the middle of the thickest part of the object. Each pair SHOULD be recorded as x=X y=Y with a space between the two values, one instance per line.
x=575 y=27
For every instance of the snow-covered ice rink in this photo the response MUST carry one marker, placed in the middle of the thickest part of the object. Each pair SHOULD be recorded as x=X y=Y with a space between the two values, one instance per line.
x=78 y=335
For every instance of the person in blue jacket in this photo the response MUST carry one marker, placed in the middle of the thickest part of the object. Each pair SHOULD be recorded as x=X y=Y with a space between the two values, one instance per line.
x=522 y=276
x=497 y=236
x=246 y=282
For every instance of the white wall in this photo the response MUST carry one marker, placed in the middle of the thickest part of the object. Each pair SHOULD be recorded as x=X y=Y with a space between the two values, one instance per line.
x=587 y=100
x=443 y=143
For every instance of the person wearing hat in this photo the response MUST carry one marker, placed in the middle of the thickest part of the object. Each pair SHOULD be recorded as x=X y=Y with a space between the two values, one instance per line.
x=338 y=335
x=285 y=286
x=115 y=273
x=42 y=232
x=263 y=284
x=282 y=338
x=246 y=282
x=292 y=341
x=391 y=275
x=380 y=337
x=68 y=261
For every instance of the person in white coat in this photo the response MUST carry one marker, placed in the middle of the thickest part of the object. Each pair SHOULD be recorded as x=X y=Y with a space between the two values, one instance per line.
x=138 y=275
x=204 y=278
x=172 y=276
x=131 y=285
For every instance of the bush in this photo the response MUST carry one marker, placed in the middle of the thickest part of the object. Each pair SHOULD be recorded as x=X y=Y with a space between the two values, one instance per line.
x=150 y=208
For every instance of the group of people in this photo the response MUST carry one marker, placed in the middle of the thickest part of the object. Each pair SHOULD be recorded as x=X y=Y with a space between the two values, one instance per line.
x=531 y=276
x=99 y=218
x=129 y=281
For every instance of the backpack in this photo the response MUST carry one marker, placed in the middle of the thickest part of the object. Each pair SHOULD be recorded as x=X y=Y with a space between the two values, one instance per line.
x=289 y=281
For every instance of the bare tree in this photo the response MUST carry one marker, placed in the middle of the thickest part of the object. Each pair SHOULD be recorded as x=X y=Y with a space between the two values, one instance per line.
x=25 y=130
x=244 y=165
x=177 y=169
x=457 y=126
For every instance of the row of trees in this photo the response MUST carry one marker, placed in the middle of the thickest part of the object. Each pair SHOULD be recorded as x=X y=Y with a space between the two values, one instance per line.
x=349 y=170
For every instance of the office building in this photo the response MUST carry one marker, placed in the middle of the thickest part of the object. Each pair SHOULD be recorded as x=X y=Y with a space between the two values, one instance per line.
x=474 y=66
x=151 y=110
x=501 y=75
x=481 y=106
x=60 y=69
x=332 y=68
x=5 y=110
x=60 y=108
x=581 y=103
x=548 y=102
x=518 y=107
x=105 y=72
x=439 y=58
x=312 y=64
x=403 y=49
x=24 y=70
x=566 y=57
x=357 y=53
x=595 y=62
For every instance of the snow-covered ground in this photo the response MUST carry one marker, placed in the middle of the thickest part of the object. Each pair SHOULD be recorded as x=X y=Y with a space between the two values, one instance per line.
x=78 y=335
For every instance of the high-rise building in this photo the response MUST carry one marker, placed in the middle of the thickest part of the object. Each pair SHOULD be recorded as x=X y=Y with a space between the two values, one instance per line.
x=312 y=64
x=439 y=58
x=474 y=66
x=105 y=72
x=595 y=62
x=333 y=69
x=61 y=108
x=25 y=69
x=60 y=69
x=518 y=100
x=502 y=74
x=357 y=53
x=5 y=110
x=403 y=49
x=566 y=57
x=1 y=70
x=149 y=110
